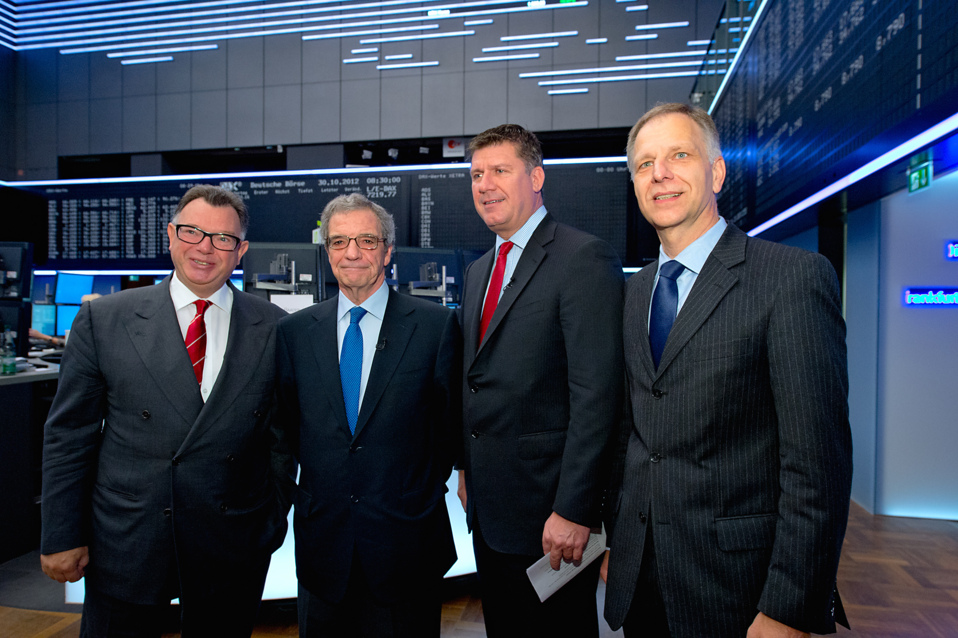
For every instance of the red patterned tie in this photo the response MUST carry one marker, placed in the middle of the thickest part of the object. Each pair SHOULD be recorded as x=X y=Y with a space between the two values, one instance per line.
x=196 y=339
x=495 y=288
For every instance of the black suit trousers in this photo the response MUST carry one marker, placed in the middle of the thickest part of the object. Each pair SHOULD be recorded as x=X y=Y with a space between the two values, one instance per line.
x=227 y=610
x=511 y=607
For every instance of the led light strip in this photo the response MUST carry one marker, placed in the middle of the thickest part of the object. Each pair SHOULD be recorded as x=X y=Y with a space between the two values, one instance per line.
x=655 y=56
x=428 y=36
x=567 y=91
x=661 y=25
x=534 y=36
x=504 y=58
x=619 y=78
x=199 y=47
x=165 y=58
x=519 y=47
x=612 y=69
x=409 y=65
x=930 y=136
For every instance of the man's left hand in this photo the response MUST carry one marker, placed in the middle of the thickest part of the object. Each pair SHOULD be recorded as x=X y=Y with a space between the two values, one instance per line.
x=563 y=540
x=765 y=627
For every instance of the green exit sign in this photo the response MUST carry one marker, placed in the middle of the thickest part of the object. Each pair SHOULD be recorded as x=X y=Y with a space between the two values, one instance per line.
x=919 y=177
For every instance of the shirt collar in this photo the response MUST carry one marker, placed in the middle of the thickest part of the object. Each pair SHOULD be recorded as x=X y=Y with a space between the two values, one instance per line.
x=375 y=304
x=521 y=237
x=696 y=253
x=183 y=296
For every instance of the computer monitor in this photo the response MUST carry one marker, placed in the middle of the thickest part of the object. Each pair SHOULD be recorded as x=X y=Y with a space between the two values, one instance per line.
x=65 y=317
x=282 y=268
x=44 y=319
x=17 y=316
x=107 y=284
x=71 y=287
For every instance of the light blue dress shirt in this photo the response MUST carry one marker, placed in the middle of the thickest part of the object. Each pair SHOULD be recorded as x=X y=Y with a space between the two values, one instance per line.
x=520 y=238
x=693 y=258
x=370 y=325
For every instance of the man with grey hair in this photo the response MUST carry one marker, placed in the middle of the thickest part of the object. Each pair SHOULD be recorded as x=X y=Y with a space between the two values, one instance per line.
x=732 y=480
x=164 y=475
x=369 y=393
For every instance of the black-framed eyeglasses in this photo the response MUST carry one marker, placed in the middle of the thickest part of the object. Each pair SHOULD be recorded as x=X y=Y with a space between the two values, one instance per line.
x=194 y=235
x=366 y=242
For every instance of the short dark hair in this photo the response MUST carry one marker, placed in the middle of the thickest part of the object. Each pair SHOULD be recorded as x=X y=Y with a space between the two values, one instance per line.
x=697 y=115
x=215 y=196
x=358 y=201
x=525 y=142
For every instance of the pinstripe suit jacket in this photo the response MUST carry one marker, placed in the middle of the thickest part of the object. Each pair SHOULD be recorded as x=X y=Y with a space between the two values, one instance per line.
x=739 y=450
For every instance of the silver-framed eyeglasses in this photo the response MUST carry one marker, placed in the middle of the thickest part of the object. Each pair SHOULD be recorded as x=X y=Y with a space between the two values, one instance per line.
x=366 y=242
x=194 y=235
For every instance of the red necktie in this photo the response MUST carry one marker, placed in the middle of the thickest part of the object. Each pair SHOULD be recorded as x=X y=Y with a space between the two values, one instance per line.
x=495 y=289
x=196 y=339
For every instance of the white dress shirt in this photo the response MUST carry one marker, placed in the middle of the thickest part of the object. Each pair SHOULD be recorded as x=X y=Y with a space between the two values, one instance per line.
x=217 y=319
x=693 y=258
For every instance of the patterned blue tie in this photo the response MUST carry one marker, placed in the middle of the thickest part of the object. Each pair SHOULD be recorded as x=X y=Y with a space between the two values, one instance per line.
x=351 y=366
x=665 y=301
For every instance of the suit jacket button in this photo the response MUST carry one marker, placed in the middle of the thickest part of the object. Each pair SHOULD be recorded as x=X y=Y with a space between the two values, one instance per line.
x=223 y=508
x=176 y=460
x=655 y=457
x=145 y=414
x=355 y=448
x=657 y=394
x=474 y=389
x=642 y=517
x=475 y=434
x=257 y=413
x=354 y=498
x=230 y=458
x=167 y=512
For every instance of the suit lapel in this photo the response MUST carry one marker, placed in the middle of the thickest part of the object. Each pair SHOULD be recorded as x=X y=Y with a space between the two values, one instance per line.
x=711 y=286
x=532 y=257
x=248 y=336
x=323 y=339
x=479 y=273
x=394 y=335
x=644 y=279
x=156 y=337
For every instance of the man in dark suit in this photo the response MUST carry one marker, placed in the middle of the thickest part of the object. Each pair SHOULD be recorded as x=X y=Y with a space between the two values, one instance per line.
x=375 y=431
x=163 y=473
x=543 y=381
x=734 y=476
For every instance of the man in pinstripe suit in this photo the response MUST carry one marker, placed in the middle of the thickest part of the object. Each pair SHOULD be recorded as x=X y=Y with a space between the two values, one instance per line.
x=731 y=488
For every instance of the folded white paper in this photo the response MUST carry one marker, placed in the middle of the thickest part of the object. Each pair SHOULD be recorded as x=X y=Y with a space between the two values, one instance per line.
x=548 y=581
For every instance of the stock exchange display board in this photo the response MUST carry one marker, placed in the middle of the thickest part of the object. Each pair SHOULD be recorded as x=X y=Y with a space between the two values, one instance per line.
x=824 y=87
x=122 y=224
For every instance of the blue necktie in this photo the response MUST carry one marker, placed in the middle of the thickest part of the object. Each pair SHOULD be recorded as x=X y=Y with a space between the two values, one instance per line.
x=665 y=301
x=351 y=366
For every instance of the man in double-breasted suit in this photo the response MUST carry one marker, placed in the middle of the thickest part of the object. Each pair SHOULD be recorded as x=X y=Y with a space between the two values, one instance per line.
x=734 y=475
x=373 y=537
x=163 y=473
x=542 y=385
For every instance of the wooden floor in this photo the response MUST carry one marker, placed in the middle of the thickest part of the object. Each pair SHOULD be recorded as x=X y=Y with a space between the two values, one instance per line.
x=898 y=578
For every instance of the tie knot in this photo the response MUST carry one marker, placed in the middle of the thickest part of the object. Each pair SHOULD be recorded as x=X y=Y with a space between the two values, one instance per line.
x=201 y=306
x=505 y=248
x=671 y=270
x=356 y=314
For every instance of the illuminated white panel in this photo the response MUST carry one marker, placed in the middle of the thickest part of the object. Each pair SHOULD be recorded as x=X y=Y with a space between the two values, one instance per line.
x=361 y=51
x=640 y=7
x=398 y=56
x=651 y=36
x=374 y=58
x=475 y=23
x=348 y=34
x=567 y=91
x=597 y=40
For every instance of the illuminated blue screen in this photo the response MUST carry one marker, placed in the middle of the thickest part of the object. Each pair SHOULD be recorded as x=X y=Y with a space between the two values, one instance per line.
x=71 y=287
x=44 y=319
x=65 y=317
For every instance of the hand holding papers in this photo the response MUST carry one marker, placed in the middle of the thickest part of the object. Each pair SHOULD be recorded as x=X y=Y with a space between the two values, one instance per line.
x=548 y=581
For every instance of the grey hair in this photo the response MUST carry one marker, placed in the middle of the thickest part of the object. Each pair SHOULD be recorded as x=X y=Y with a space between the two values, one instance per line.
x=358 y=201
x=696 y=114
